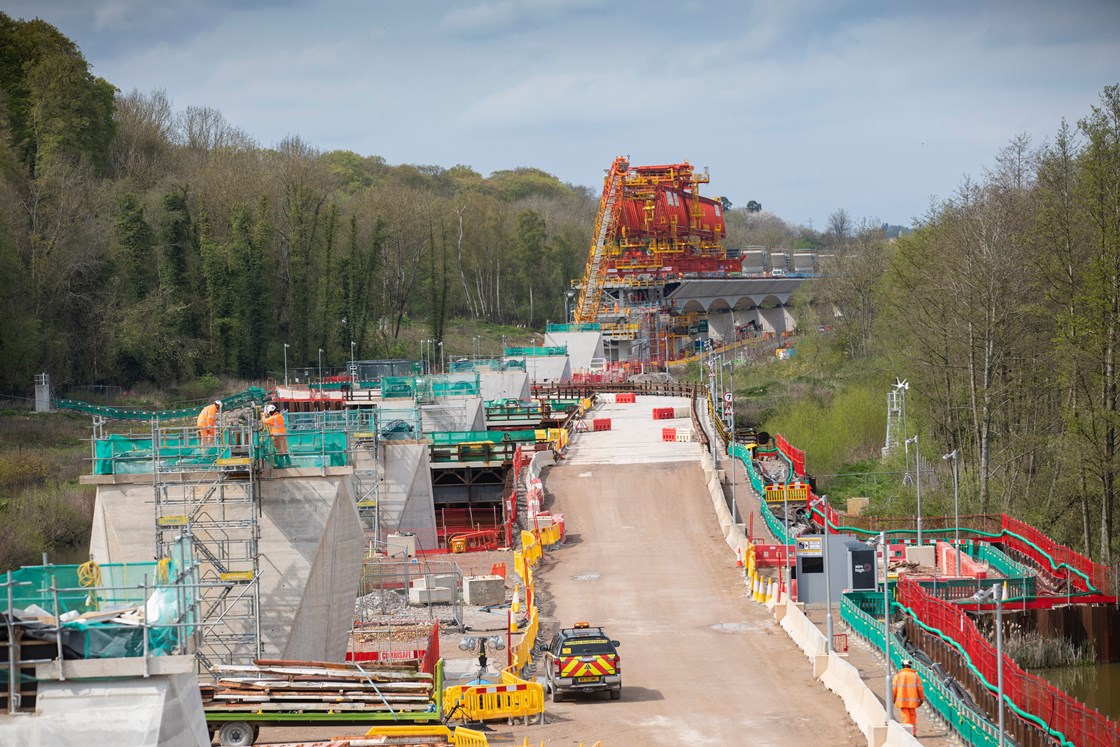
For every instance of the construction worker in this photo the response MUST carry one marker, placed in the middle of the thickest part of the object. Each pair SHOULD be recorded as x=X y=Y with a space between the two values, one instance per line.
x=273 y=420
x=906 y=689
x=207 y=420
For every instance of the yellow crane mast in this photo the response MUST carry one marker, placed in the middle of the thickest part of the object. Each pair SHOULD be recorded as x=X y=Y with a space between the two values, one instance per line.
x=606 y=222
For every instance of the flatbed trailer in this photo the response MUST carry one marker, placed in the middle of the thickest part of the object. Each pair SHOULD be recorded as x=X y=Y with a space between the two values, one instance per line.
x=239 y=727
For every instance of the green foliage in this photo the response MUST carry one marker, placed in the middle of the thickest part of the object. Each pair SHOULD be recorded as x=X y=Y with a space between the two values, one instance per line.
x=42 y=508
x=834 y=430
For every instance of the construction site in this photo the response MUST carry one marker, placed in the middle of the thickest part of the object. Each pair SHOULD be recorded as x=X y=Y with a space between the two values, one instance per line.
x=395 y=567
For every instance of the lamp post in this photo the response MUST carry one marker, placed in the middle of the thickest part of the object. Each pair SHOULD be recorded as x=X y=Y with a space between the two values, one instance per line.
x=285 y=364
x=823 y=501
x=952 y=456
x=734 y=500
x=442 y=359
x=918 y=477
x=881 y=541
x=353 y=368
x=320 y=372
x=992 y=593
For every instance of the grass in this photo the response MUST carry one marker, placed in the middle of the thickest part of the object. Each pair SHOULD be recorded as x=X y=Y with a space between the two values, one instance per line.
x=43 y=508
x=1032 y=650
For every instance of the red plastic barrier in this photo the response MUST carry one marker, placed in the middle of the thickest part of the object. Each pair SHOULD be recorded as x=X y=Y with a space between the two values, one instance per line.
x=795 y=455
x=772 y=555
x=663 y=413
x=625 y=398
x=668 y=434
x=601 y=424
x=1080 y=724
x=1099 y=575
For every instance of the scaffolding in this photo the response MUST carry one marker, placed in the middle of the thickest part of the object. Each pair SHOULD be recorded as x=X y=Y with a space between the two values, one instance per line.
x=896 y=416
x=210 y=492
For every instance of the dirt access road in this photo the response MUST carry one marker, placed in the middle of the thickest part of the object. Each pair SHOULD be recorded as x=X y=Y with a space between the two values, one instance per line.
x=701 y=663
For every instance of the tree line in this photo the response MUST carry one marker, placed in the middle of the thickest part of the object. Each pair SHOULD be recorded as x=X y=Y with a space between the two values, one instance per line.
x=1002 y=308
x=142 y=243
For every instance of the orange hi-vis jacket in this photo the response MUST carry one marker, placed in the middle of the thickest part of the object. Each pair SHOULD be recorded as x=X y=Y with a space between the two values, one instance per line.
x=907 y=689
x=275 y=424
x=208 y=416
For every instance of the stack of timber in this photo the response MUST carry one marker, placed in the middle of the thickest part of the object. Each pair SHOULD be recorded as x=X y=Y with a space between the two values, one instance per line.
x=315 y=686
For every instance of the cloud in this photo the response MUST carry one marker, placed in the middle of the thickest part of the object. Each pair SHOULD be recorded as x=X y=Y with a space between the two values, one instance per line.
x=490 y=19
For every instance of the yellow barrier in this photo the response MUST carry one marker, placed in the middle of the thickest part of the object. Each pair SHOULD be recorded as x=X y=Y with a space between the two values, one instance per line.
x=521 y=653
x=460 y=737
x=530 y=548
x=549 y=535
x=489 y=702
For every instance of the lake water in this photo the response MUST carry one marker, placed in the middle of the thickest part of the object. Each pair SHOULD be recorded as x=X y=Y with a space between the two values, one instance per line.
x=1097 y=686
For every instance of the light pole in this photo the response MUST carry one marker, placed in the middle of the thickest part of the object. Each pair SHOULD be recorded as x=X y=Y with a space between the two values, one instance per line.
x=731 y=441
x=285 y=364
x=993 y=593
x=442 y=359
x=353 y=368
x=881 y=541
x=823 y=501
x=952 y=456
x=918 y=477
x=320 y=372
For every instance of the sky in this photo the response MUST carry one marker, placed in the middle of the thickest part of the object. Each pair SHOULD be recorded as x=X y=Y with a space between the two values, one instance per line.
x=807 y=106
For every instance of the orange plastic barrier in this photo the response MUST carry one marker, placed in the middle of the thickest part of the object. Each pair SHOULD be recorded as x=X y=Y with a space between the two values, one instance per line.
x=668 y=434
x=601 y=424
x=663 y=413
x=625 y=398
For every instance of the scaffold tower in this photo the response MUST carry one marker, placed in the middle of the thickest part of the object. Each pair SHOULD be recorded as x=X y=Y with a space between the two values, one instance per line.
x=210 y=492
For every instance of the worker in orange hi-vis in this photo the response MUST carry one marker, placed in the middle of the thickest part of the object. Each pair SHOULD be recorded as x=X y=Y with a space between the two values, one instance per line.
x=906 y=689
x=273 y=420
x=207 y=420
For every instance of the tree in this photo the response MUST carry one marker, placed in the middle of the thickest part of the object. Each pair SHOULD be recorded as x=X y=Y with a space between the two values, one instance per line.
x=135 y=251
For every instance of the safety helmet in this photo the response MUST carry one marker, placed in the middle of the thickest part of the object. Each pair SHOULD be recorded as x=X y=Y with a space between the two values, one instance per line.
x=907 y=663
x=218 y=402
x=269 y=409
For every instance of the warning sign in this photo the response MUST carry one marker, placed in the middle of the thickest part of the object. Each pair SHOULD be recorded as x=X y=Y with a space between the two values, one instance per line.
x=809 y=546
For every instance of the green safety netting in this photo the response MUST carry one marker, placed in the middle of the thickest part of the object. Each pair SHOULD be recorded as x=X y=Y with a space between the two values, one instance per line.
x=562 y=405
x=253 y=395
x=452 y=438
x=119 y=454
x=859 y=610
x=514 y=365
x=776 y=527
x=466 y=366
x=454 y=385
x=165 y=593
x=541 y=352
x=575 y=327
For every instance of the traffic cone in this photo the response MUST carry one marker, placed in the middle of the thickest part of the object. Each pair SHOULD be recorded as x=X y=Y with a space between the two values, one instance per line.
x=758 y=597
x=770 y=593
x=738 y=557
x=1006 y=595
x=515 y=605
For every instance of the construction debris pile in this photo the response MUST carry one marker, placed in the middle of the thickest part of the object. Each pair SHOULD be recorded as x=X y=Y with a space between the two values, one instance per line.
x=277 y=685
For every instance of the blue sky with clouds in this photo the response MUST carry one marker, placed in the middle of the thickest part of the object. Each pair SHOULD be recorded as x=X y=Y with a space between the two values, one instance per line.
x=804 y=105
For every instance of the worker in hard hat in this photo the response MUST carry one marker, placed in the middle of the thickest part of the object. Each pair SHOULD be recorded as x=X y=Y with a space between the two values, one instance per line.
x=908 y=695
x=273 y=420
x=207 y=422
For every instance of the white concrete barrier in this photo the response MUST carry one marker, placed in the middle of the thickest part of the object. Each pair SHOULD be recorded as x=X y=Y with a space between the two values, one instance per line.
x=803 y=632
x=899 y=736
